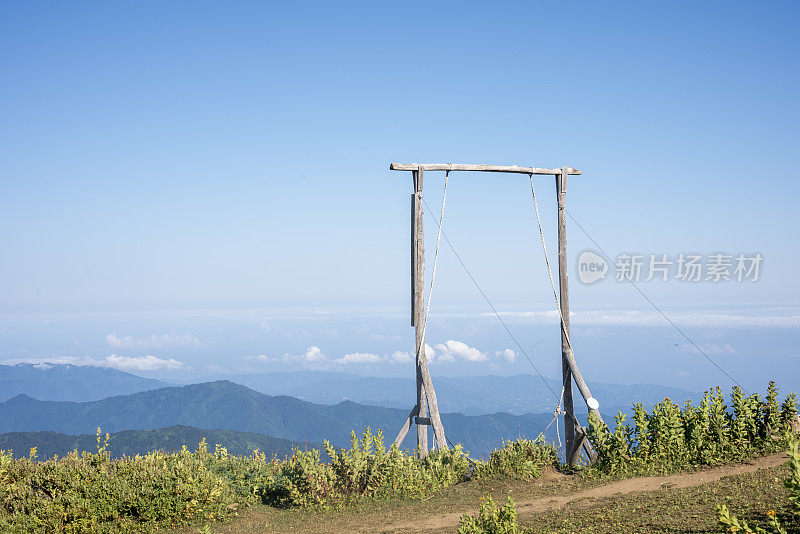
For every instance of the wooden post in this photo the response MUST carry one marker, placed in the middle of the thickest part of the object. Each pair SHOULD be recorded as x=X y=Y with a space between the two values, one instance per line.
x=563 y=286
x=418 y=287
x=426 y=396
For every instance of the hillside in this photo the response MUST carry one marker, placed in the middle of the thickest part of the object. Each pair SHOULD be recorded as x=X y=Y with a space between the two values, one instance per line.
x=63 y=382
x=132 y=442
x=229 y=406
x=471 y=395
x=661 y=481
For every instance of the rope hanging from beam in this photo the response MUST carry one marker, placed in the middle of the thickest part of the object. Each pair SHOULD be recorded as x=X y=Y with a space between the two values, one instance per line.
x=422 y=345
x=558 y=307
x=435 y=263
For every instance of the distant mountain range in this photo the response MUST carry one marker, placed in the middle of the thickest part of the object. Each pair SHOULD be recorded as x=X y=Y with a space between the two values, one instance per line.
x=69 y=382
x=471 y=395
x=229 y=406
x=132 y=442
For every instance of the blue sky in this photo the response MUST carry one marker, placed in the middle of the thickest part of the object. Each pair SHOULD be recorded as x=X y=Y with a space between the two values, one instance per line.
x=177 y=171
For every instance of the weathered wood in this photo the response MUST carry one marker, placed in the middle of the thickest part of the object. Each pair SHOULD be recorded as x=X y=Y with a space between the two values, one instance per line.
x=406 y=427
x=590 y=452
x=413 y=257
x=574 y=453
x=433 y=405
x=563 y=286
x=477 y=168
x=419 y=309
x=579 y=381
x=581 y=441
x=569 y=367
x=426 y=395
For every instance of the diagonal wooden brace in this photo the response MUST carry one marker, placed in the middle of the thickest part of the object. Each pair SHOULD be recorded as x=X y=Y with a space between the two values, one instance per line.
x=406 y=426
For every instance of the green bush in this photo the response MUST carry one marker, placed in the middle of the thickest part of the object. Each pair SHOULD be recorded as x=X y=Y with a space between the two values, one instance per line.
x=523 y=458
x=92 y=493
x=670 y=438
x=365 y=470
x=491 y=519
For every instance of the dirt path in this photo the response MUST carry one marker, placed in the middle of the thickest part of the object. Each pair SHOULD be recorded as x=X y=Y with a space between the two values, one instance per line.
x=633 y=485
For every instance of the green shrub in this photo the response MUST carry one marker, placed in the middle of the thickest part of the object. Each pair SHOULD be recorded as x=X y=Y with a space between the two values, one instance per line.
x=670 y=438
x=491 y=519
x=366 y=469
x=522 y=458
x=92 y=493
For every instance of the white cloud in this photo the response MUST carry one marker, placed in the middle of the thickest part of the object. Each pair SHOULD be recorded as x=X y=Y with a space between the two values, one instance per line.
x=710 y=348
x=113 y=361
x=154 y=341
x=313 y=354
x=142 y=363
x=507 y=354
x=359 y=357
x=451 y=350
x=314 y=358
x=401 y=357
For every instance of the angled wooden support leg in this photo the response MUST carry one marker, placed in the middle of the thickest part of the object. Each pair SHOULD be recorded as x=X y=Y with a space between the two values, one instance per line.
x=406 y=427
x=433 y=407
x=574 y=451
x=589 y=450
x=581 y=442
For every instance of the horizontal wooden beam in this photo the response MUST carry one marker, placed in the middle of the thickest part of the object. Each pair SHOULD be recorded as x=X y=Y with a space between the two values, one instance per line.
x=476 y=168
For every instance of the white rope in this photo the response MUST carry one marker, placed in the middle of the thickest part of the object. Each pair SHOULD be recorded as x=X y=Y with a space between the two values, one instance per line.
x=549 y=270
x=435 y=263
x=558 y=410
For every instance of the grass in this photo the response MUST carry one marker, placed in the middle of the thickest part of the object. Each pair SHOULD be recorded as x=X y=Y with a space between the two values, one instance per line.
x=673 y=510
x=667 y=510
x=371 y=513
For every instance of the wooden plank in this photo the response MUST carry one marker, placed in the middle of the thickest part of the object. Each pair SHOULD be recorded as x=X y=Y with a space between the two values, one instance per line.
x=478 y=168
x=423 y=421
x=406 y=427
x=413 y=256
